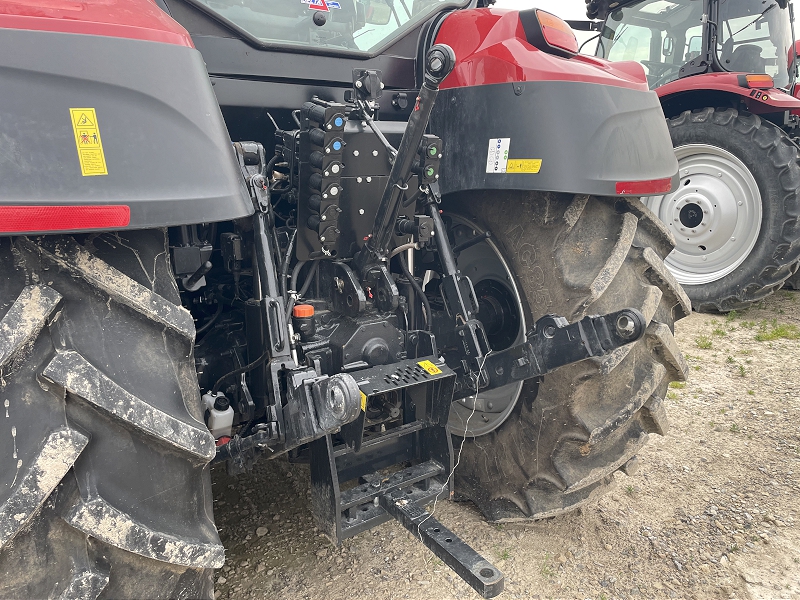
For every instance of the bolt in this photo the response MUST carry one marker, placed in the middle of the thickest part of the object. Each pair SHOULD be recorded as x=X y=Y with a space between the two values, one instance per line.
x=705 y=258
x=490 y=405
x=359 y=179
x=740 y=202
x=324 y=218
x=625 y=325
x=374 y=153
x=369 y=179
x=733 y=239
x=719 y=174
x=355 y=152
x=549 y=331
x=361 y=211
x=359 y=84
x=330 y=126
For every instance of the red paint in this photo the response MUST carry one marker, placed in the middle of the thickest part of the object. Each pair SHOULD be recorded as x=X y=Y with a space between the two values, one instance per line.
x=18 y=219
x=640 y=188
x=777 y=101
x=491 y=47
x=132 y=19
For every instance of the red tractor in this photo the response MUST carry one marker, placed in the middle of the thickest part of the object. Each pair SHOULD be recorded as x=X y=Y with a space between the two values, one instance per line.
x=724 y=72
x=424 y=235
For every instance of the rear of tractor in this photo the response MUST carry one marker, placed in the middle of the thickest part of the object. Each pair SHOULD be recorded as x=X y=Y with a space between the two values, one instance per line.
x=388 y=262
x=724 y=72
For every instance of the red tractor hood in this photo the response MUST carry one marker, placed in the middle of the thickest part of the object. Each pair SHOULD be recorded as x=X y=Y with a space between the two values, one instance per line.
x=132 y=19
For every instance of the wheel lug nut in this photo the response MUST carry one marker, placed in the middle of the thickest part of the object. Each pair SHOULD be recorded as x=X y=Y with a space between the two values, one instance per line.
x=740 y=202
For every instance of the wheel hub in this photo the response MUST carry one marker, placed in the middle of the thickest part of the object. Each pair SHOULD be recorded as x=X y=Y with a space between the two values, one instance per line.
x=500 y=312
x=715 y=214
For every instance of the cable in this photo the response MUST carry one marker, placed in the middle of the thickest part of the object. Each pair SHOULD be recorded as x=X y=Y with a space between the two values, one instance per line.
x=414 y=284
x=212 y=320
x=285 y=265
x=403 y=248
x=303 y=290
x=296 y=273
x=245 y=369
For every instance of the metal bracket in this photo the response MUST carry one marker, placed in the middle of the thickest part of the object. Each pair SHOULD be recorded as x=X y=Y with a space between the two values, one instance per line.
x=554 y=343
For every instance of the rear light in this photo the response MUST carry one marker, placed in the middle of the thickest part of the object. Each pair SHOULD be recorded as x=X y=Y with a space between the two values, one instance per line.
x=16 y=219
x=644 y=188
x=547 y=32
x=756 y=82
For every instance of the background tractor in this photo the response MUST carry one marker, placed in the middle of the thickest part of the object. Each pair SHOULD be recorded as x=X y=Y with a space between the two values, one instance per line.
x=724 y=72
x=387 y=262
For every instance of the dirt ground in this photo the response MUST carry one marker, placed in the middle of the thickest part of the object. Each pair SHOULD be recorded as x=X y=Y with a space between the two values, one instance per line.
x=713 y=511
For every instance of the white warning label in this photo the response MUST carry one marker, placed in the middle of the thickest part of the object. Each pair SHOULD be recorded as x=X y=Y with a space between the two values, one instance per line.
x=497 y=159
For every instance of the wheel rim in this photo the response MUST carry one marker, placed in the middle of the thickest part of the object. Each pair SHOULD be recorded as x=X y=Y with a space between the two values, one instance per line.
x=504 y=320
x=715 y=214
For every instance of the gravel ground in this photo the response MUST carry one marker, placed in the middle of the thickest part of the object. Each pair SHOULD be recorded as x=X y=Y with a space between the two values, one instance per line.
x=712 y=512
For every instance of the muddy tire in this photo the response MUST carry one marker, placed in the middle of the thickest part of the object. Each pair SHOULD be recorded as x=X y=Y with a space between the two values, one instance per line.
x=735 y=214
x=566 y=436
x=105 y=484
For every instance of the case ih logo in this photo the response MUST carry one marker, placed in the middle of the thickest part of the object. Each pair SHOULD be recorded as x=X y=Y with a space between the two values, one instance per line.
x=325 y=5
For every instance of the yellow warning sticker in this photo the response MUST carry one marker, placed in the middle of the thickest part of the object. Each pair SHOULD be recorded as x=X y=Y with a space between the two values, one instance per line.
x=430 y=367
x=363 y=401
x=524 y=165
x=87 y=139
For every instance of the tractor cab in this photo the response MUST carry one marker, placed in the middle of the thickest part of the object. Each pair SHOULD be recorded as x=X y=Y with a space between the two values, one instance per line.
x=673 y=39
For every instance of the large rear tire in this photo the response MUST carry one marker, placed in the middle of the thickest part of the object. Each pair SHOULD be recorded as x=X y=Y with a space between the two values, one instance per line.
x=735 y=214
x=105 y=488
x=565 y=437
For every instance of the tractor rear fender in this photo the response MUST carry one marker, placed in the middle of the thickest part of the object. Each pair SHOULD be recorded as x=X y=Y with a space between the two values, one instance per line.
x=108 y=121
x=536 y=121
x=722 y=89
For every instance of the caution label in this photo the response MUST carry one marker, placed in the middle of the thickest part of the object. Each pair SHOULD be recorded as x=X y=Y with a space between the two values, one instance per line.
x=430 y=367
x=87 y=139
x=524 y=165
x=363 y=401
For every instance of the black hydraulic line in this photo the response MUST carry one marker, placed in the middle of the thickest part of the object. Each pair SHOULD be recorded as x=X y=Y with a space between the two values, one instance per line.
x=303 y=290
x=417 y=290
x=207 y=325
x=472 y=241
x=439 y=62
x=245 y=369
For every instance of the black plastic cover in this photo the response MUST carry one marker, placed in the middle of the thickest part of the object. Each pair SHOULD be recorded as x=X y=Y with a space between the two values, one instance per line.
x=587 y=137
x=167 y=151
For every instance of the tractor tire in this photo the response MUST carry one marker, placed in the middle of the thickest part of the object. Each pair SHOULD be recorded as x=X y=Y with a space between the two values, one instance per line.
x=735 y=214
x=567 y=435
x=106 y=491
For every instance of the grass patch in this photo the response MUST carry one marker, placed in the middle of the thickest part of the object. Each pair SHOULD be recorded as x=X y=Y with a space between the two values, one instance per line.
x=547 y=570
x=679 y=385
x=747 y=324
x=730 y=360
x=719 y=332
x=735 y=428
x=672 y=395
x=703 y=342
x=731 y=316
x=742 y=372
x=777 y=331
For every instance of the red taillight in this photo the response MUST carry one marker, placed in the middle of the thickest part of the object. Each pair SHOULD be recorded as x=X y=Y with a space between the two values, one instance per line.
x=62 y=218
x=757 y=82
x=643 y=188
x=547 y=32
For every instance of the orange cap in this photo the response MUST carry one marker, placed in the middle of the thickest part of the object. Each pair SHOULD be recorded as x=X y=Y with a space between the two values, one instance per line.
x=303 y=311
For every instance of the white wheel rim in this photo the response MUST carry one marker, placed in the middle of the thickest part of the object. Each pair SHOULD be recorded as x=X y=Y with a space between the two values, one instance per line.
x=715 y=214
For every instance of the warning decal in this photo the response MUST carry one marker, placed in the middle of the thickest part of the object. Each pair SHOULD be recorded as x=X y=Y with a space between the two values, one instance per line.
x=430 y=367
x=524 y=165
x=323 y=5
x=87 y=139
x=498 y=155
x=363 y=401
